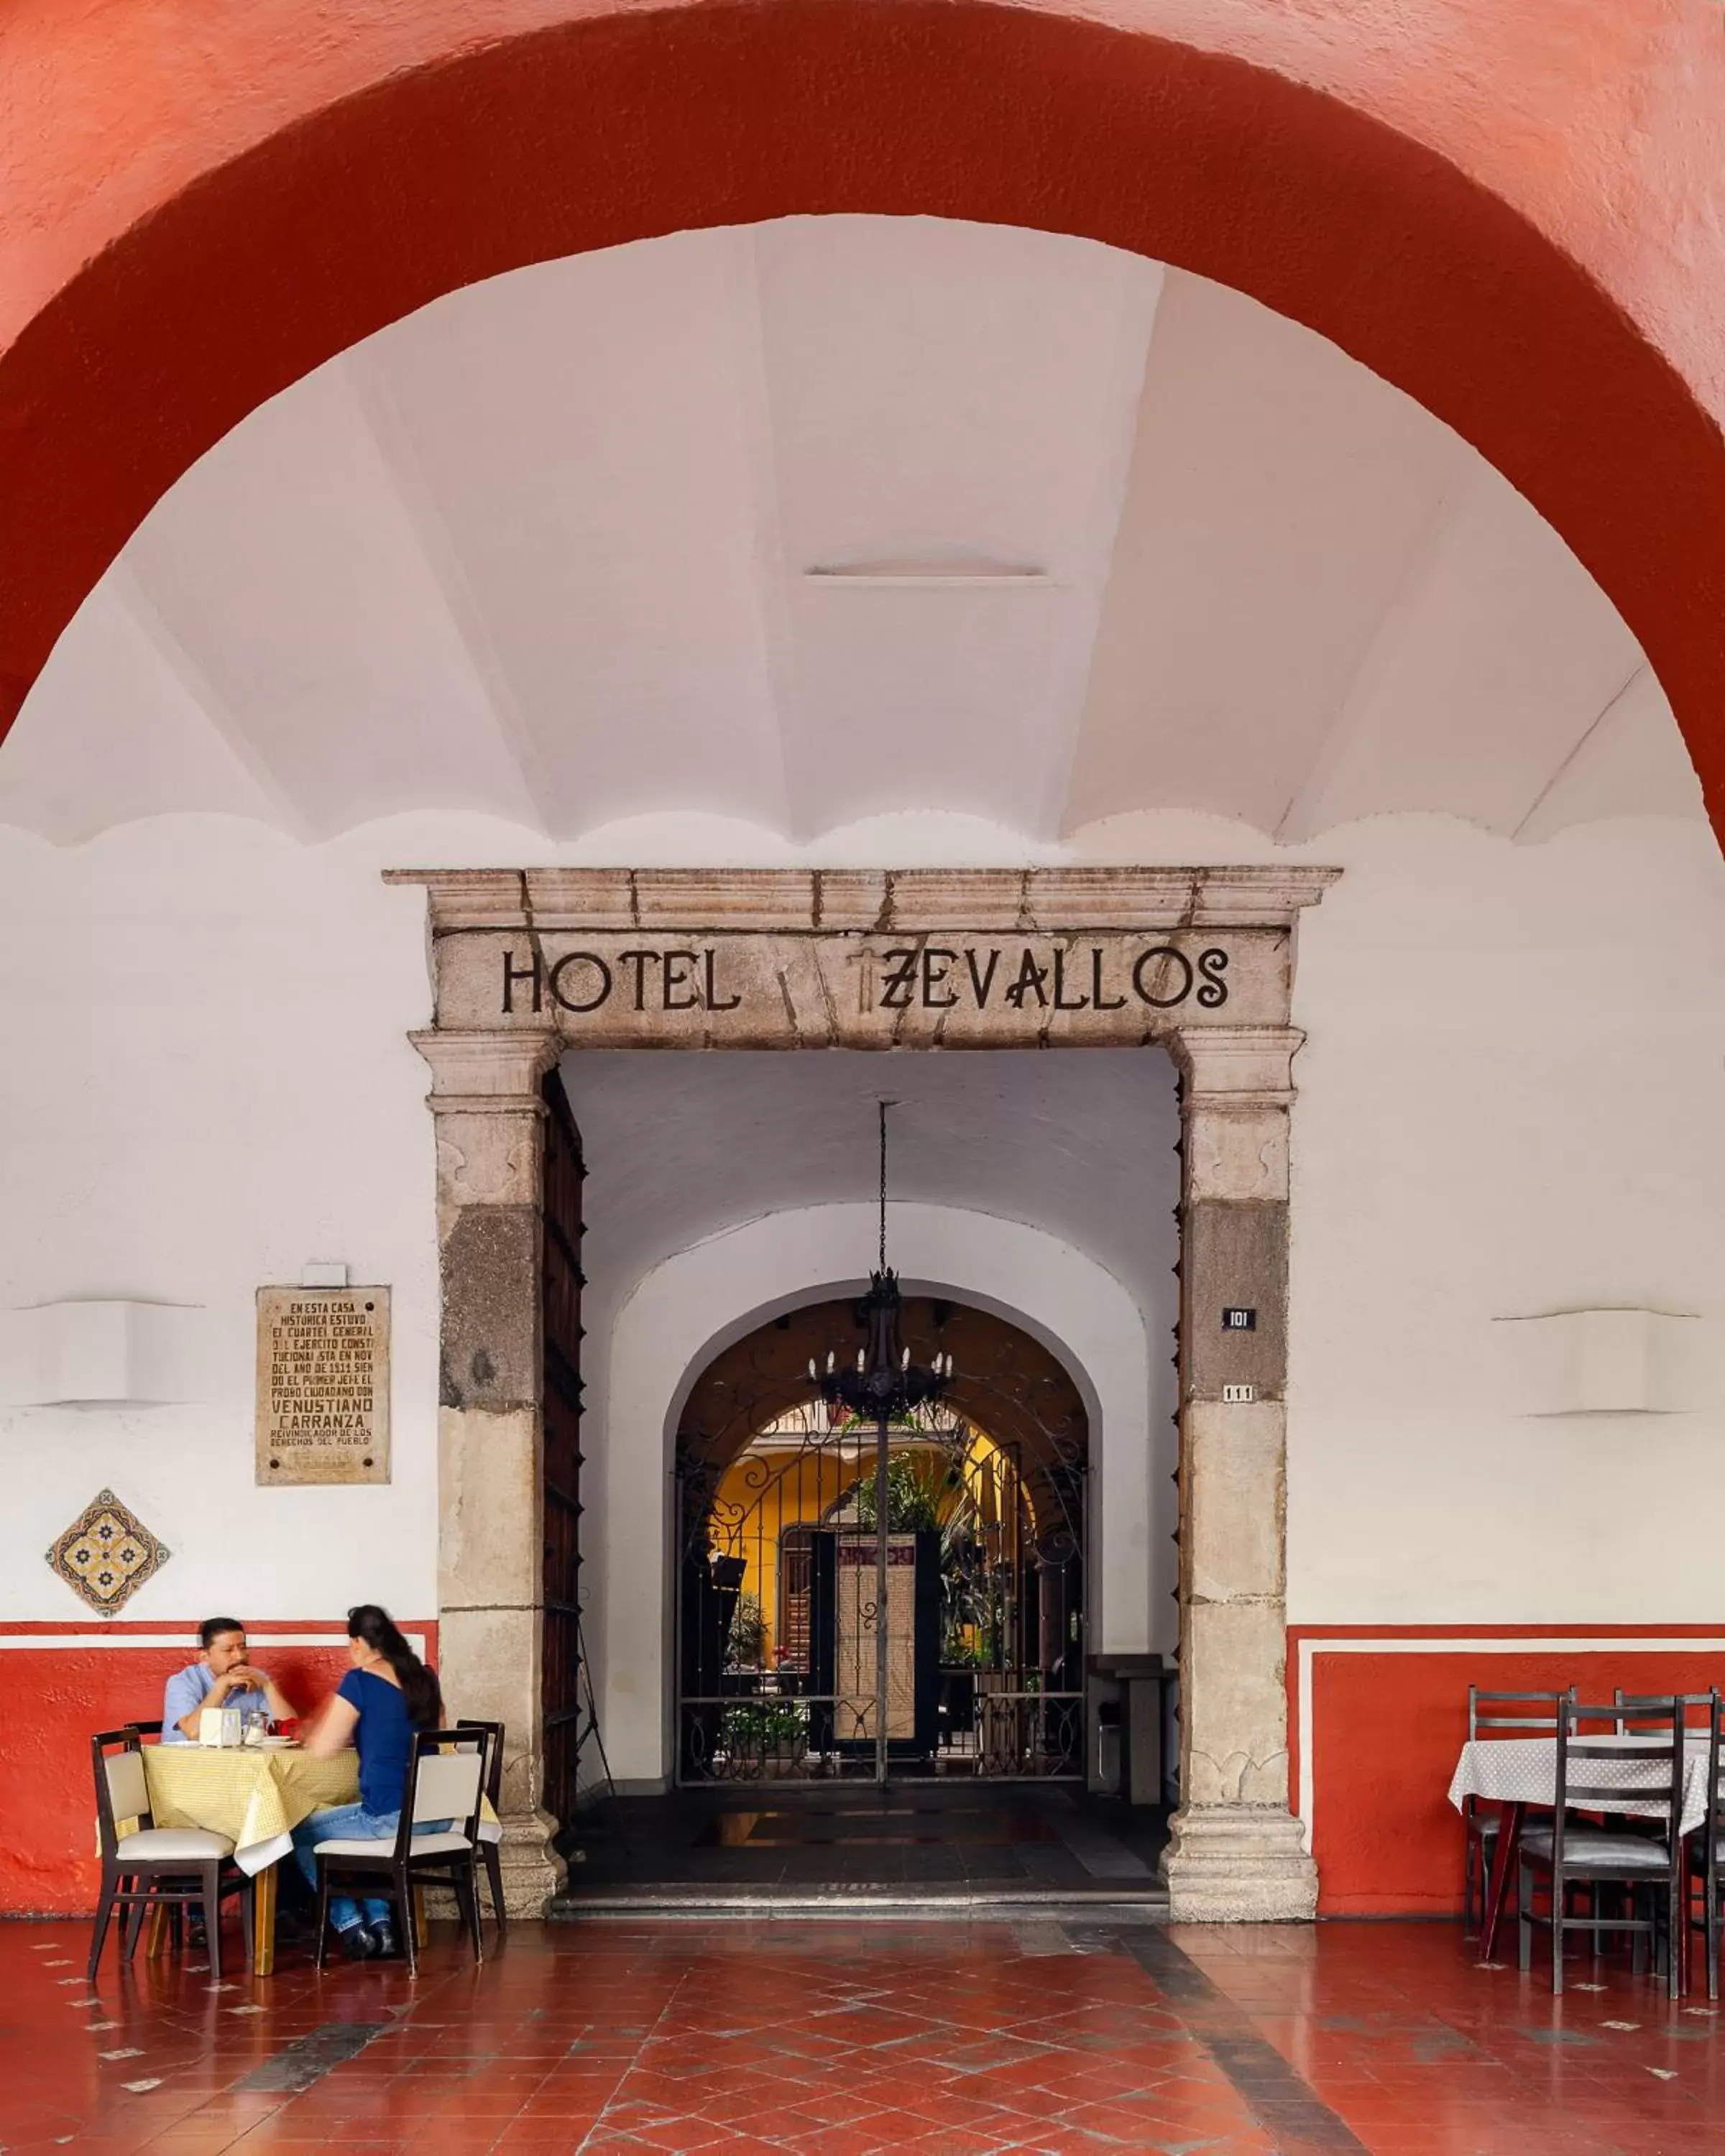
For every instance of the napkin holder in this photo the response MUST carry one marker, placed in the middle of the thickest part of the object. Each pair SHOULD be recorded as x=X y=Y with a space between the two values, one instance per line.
x=219 y=1726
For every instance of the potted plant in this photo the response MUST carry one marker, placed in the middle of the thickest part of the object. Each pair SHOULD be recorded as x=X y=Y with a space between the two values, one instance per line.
x=766 y=1737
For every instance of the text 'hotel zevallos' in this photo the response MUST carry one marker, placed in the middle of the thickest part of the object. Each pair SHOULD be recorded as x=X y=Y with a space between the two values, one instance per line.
x=1017 y=977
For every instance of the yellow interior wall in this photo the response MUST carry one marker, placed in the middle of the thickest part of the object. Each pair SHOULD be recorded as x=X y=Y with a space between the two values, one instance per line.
x=797 y=1490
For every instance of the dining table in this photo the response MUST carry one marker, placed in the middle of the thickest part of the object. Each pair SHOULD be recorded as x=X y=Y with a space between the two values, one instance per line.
x=1517 y=1773
x=254 y=1796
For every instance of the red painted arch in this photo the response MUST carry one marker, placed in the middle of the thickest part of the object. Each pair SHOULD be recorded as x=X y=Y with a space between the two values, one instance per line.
x=1510 y=220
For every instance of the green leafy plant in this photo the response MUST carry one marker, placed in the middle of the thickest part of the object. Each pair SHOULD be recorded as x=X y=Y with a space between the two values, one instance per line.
x=960 y=1653
x=917 y=1486
x=765 y=1725
x=747 y=1642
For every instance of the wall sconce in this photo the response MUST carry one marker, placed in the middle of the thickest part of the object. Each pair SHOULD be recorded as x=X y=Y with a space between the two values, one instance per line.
x=110 y=1353
x=1594 y=1362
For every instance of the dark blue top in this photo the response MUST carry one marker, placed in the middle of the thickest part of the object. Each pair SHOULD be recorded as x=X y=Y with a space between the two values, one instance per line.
x=384 y=1739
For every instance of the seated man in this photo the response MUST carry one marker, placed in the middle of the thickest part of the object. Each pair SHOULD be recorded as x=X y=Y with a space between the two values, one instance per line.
x=221 y=1676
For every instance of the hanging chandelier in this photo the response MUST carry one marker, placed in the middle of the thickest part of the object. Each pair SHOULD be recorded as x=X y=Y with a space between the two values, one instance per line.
x=883 y=1385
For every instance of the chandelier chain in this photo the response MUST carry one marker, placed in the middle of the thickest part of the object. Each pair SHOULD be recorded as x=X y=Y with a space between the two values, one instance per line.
x=884 y=1105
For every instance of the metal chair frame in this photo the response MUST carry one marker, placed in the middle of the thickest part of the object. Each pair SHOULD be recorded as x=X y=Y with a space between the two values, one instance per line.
x=1710 y=1834
x=1569 y=1862
x=1479 y=1829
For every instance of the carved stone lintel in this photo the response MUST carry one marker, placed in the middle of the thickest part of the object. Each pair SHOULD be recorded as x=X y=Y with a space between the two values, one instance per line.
x=486 y=1067
x=1238 y=1068
x=490 y=1351
x=1237 y=1151
x=1235 y=1854
x=1239 y=1864
x=490 y=1121
x=853 y=900
x=1238 y=1500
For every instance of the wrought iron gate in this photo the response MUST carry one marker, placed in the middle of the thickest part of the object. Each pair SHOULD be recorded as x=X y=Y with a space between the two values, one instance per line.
x=779 y=1549
x=562 y=1283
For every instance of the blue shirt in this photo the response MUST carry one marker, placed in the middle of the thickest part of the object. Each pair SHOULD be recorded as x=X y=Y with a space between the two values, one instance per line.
x=383 y=1738
x=188 y=1689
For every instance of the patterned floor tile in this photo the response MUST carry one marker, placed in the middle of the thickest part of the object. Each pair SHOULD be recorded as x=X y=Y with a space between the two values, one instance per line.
x=847 y=2040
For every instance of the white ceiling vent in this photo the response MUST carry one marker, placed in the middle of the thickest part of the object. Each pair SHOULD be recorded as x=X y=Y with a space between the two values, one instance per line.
x=929 y=569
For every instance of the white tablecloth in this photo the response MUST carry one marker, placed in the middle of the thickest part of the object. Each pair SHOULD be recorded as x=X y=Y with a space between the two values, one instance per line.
x=1523 y=1770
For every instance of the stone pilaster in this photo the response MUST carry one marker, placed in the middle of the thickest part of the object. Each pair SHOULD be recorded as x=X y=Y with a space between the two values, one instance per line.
x=1235 y=1853
x=489 y=1117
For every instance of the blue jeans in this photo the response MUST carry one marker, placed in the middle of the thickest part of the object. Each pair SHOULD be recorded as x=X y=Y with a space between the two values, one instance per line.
x=351 y=1823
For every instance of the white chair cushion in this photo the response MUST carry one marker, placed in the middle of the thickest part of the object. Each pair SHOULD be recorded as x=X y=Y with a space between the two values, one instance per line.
x=154 y=1844
x=383 y=1845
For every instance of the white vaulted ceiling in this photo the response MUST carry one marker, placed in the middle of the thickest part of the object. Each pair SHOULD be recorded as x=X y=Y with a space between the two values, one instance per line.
x=827 y=519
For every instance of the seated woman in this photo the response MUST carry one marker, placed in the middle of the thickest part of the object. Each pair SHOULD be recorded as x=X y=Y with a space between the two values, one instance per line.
x=384 y=1698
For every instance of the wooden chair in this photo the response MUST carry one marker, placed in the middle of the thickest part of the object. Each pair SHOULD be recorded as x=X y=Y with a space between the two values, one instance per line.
x=1707 y=1845
x=1497 y=1714
x=446 y=1781
x=156 y=1868
x=1572 y=1852
x=490 y=1855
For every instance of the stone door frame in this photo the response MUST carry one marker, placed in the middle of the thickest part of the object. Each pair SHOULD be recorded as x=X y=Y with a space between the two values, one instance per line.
x=528 y=964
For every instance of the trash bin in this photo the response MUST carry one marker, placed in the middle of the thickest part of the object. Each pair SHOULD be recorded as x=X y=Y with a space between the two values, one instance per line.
x=1109 y=1764
x=1134 y=1715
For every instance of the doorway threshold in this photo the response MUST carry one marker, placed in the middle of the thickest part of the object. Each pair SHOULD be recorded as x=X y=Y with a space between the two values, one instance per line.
x=915 y=1849
x=933 y=1903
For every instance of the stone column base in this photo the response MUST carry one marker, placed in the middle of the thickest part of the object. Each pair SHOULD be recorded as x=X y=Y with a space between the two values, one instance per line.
x=532 y=1870
x=1239 y=1864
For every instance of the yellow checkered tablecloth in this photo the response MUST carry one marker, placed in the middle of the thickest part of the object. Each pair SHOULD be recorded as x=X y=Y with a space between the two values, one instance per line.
x=255 y=1797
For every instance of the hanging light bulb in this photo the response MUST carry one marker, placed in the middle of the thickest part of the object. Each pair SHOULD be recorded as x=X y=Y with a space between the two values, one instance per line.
x=862 y=1359
x=830 y=1362
x=904 y=1360
x=813 y=1375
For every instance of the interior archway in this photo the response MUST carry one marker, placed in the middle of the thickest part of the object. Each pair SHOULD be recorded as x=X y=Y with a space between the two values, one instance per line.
x=690 y=1308
x=375 y=176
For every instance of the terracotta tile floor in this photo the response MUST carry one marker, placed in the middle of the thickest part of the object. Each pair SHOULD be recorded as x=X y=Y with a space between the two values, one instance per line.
x=840 y=2037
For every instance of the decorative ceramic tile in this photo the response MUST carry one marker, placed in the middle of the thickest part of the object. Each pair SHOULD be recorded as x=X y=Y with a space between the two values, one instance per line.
x=107 y=1554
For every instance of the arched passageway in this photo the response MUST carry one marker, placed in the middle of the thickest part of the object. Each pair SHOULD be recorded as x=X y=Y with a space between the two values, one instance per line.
x=778 y=1524
x=958 y=1748
x=178 y=258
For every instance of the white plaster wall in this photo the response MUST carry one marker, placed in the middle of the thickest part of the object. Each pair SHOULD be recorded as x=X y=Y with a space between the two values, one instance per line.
x=1512 y=1100
x=206 y=1083
x=688 y=1309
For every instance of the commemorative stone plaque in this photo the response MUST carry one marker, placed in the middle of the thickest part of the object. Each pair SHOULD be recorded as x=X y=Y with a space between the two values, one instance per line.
x=871 y=959
x=323 y=1385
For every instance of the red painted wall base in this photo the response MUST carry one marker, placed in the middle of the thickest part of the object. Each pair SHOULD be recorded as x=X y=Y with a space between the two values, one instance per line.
x=1377 y=1716
x=61 y=1683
